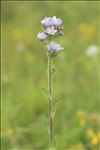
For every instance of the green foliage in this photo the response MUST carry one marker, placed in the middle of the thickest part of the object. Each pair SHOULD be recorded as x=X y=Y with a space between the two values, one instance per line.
x=24 y=72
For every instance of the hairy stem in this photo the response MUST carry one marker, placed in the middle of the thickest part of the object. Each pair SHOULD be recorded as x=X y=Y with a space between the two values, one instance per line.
x=50 y=118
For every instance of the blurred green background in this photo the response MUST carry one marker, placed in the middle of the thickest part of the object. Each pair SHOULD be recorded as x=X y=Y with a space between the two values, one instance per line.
x=24 y=74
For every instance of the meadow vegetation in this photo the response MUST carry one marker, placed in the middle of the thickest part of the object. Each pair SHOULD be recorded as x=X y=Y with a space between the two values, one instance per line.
x=24 y=76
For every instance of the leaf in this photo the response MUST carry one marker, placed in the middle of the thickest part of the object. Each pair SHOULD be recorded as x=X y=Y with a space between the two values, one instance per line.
x=53 y=54
x=55 y=107
x=44 y=91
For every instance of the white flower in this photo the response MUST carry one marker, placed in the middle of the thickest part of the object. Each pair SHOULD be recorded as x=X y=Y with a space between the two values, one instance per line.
x=51 y=31
x=54 y=47
x=41 y=36
x=92 y=51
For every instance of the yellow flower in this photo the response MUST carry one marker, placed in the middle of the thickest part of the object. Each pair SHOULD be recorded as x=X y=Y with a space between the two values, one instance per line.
x=94 y=140
x=94 y=137
x=87 y=30
x=98 y=136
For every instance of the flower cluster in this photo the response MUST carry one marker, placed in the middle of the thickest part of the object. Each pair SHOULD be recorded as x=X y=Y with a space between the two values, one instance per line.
x=52 y=29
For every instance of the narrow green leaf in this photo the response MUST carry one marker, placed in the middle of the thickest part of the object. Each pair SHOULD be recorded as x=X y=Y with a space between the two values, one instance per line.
x=44 y=91
x=55 y=107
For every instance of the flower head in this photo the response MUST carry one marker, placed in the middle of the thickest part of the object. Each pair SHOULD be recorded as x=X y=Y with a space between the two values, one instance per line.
x=54 y=47
x=47 y=21
x=56 y=21
x=42 y=36
x=51 y=21
x=51 y=31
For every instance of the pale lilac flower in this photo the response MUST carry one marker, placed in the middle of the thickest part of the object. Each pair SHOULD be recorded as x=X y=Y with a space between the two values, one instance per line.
x=51 y=21
x=92 y=51
x=47 y=21
x=54 y=47
x=51 y=31
x=56 y=21
x=42 y=36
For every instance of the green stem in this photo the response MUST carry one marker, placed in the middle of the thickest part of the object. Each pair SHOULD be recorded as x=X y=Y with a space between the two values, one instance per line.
x=50 y=118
